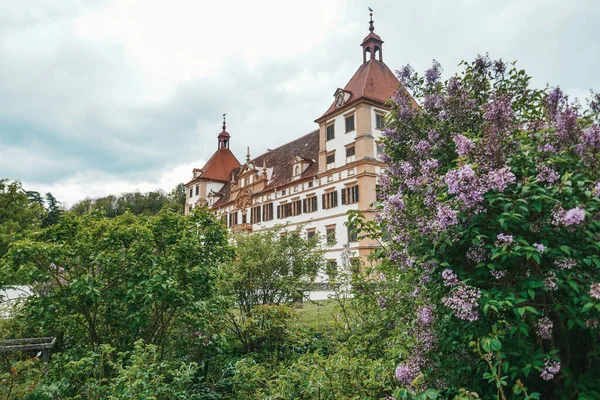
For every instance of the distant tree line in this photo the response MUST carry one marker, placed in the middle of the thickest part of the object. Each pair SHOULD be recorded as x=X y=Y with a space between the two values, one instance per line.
x=23 y=211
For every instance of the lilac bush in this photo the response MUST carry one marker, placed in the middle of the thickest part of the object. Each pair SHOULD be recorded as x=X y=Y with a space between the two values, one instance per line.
x=492 y=191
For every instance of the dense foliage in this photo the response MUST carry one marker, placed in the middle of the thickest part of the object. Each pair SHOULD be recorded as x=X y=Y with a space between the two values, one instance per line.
x=137 y=203
x=492 y=205
x=18 y=215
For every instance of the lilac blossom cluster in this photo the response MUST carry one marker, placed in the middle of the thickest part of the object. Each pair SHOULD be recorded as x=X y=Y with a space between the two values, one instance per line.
x=544 y=328
x=551 y=368
x=540 y=247
x=477 y=254
x=595 y=290
x=546 y=174
x=565 y=263
x=498 y=274
x=503 y=239
x=407 y=372
x=450 y=278
x=574 y=216
x=550 y=281
x=464 y=145
x=589 y=145
x=463 y=301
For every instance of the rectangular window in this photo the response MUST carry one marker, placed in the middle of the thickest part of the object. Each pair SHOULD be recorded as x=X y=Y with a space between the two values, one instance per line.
x=331 y=132
x=283 y=192
x=331 y=269
x=297 y=207
x=267 y=211
x=197 y=189
x=350 y=151
x=330 y=200
x=189 y=208
x=379 y=121
x=310 y=233
x=309 y=204
x=379 y=150
x=352 y=234
x=310 y=184
x=284 y=210
x=255 y=214
x=349 y=123
x=350 y=195
x=233 y=219
x=191 y=192
x=330 y=158
x=331 y=236
x=244 y=219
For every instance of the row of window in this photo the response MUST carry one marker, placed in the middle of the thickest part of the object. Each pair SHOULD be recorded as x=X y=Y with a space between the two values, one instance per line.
x=192 y=191
x=330 y=234
x=379 y=124
x=264 y=212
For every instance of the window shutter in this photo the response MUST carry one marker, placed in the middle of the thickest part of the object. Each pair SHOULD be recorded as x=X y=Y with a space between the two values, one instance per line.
x=356 y=193
x=304 y=205
x=343 y=196
x=279 y=212
x=324 y=202
x=335 y=197
x=314 y=200
x=258 y=212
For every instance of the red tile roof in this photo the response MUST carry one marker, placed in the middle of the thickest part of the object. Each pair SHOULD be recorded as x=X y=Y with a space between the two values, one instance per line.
x=281 y=160
x=373 y=81
x=219 y=166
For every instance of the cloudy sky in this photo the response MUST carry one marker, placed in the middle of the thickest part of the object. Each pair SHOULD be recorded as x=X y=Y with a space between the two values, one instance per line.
x=107 y=96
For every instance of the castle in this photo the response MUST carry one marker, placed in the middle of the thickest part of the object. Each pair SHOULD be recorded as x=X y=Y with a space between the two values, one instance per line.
x=314 y=180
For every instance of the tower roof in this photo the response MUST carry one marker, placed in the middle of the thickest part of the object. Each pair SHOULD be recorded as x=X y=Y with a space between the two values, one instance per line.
x=372 y=81
x=219 y=166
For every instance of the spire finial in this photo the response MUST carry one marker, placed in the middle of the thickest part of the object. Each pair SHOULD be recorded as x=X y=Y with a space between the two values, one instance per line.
x=371 y=27
x=248 y=155
x=224 y=125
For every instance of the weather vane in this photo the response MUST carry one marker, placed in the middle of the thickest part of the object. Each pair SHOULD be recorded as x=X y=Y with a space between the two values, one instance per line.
x=224 y=114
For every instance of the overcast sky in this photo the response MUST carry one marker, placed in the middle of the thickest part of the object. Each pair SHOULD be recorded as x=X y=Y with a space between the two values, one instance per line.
x=108 y=96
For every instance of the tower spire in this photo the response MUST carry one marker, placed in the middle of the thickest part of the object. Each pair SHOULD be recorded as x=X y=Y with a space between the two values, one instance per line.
x=224 y=137
x=372 y=43
x=248 y=155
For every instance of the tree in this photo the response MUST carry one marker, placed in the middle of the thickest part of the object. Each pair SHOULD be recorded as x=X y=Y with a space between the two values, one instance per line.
x=492 y=197
x=18 y=214
x=53 y=209
x=271 y=268
x=98 y=280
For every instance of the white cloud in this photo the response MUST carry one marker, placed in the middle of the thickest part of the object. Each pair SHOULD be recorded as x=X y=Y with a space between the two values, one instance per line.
x=106 y=96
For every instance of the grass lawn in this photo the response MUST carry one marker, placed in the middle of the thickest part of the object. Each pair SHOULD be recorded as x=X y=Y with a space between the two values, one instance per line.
x=317 y=314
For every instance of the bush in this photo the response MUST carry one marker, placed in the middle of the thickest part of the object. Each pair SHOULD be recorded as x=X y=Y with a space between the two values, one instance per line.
x=492 y=202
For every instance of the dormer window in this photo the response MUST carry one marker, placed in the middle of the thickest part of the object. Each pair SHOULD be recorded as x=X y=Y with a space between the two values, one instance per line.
x=297 y=170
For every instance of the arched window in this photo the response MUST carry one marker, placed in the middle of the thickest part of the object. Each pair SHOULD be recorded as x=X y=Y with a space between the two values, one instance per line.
x=297 y=170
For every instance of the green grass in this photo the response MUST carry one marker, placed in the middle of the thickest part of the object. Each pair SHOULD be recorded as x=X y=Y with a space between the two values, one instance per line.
x=318 y=314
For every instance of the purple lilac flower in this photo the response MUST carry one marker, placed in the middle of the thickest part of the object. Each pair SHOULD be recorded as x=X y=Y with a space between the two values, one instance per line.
x=544 y=328
x=423 y=146
x=546 y=148
x=551 y=368
x=53 y=266
x=566 y=124
x=554 y=100
x=591 y=323
x=463 y=144
x=550 y=281
x=463 y=301
x=499 y=179
x=446 y=217
x=425 y=315
x=546 y=174
x=450 y=278
x=432 y=102
x=595 y=290
x=433 y=74
x=433 y=136
x=594 y=101
x=404 y=74
x=540 y=247
x=573 y=216
x=589 y=145
x=477 y=254
x=382 y=302
x=406 y=373
x=463 y=183
x=565 y=263
x=396 y=201
x=503 y=239
x=498 y=274
x=499 y=67
x=596 y=190
x=499 y=113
